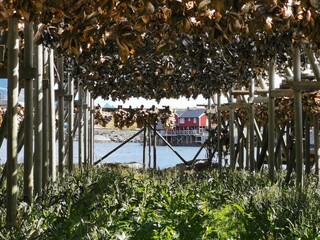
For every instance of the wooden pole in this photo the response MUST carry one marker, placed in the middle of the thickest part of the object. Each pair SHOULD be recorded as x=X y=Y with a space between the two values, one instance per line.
x=144 y=147
x=61 y=143
x=241 y=153
x=251 y=126
x=45 y=117
x=240 y=143
x=38 y=120
x=298 y=118
x=288 y=143
x=12 y=144
x=52 y=118
x=80 y=128
x=282 y=143
x=70 y=121
x=316 y=146
x=91 y=127
x=28 y=116
x=231 y=132
x=258 y=150
x=271 y=122
x=277 y=152
x=86 y=125
x=264 y=147
x=290 y=163
x=219 y=134
x=313 y=63
x=307 y=145
x=149 y=145
x=247 y=142
x=209 y=130
x=155 y=147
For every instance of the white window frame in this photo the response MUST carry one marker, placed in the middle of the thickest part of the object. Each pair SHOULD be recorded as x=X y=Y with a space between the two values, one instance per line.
x=181 y=120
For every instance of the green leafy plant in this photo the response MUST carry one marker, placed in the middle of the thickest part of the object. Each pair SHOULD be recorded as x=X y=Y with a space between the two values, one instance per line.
x=108 y=203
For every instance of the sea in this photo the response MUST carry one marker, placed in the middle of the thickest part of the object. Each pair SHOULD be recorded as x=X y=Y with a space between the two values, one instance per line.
x=130 y=152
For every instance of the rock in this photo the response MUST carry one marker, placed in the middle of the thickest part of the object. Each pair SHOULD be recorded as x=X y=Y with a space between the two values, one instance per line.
x=132 y=165
x=103 y=134
x=101 y=138
x=197 y=165
x=200 y=165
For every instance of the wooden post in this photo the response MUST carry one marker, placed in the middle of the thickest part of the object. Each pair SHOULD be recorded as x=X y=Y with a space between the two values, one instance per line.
x=307 y=145
x=231 y=134
x=271 y=121
x=70 y=121
x=251 y=127
x=313 y=63
x=290 y=140
x=209 y=130
x=85 y=126
x=61 y=143
x=264 y=147
x=28 y=116
x=240 y=143
x=149 y=149
x=91 y=127
x=12 y=144
x=80 y=128
x=258 y=150
x=52 y=118
x=144 y=147
x=280 y=142
x=219 y=133
x=45 y=117
x=298 y=118
x=316 y=146
x=241 y=153
x=38 y=134
x=246 y=144
x=155 y=147
x=277 y=152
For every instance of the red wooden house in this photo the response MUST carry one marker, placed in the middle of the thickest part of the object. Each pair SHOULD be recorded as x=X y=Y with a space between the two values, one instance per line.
x=192 y=119
x=189 y=128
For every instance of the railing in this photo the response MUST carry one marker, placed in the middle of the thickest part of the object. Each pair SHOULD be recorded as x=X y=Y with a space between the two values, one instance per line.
x=183 y=132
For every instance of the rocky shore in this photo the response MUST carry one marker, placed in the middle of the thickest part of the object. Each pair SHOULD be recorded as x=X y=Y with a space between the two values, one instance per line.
x=115 y=135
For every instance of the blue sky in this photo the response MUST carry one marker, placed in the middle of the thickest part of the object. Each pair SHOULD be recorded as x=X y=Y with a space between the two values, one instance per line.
x=3 y=88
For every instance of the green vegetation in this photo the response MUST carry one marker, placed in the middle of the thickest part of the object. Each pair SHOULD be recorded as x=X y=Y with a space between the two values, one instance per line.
x=124 y=204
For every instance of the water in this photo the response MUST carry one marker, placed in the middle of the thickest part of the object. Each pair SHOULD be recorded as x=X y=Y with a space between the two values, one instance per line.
x=134 y=152
x=130 y=152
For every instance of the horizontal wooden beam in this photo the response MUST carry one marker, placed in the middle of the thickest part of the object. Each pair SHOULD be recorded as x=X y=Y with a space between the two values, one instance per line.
x=281 y=92
x=24 y=73
x=246 y=92
x=223 y=108
x=260 y=99
x=236 y=105
x=306 y=86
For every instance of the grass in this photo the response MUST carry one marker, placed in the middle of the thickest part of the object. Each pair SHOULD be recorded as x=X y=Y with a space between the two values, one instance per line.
x=109 y=203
